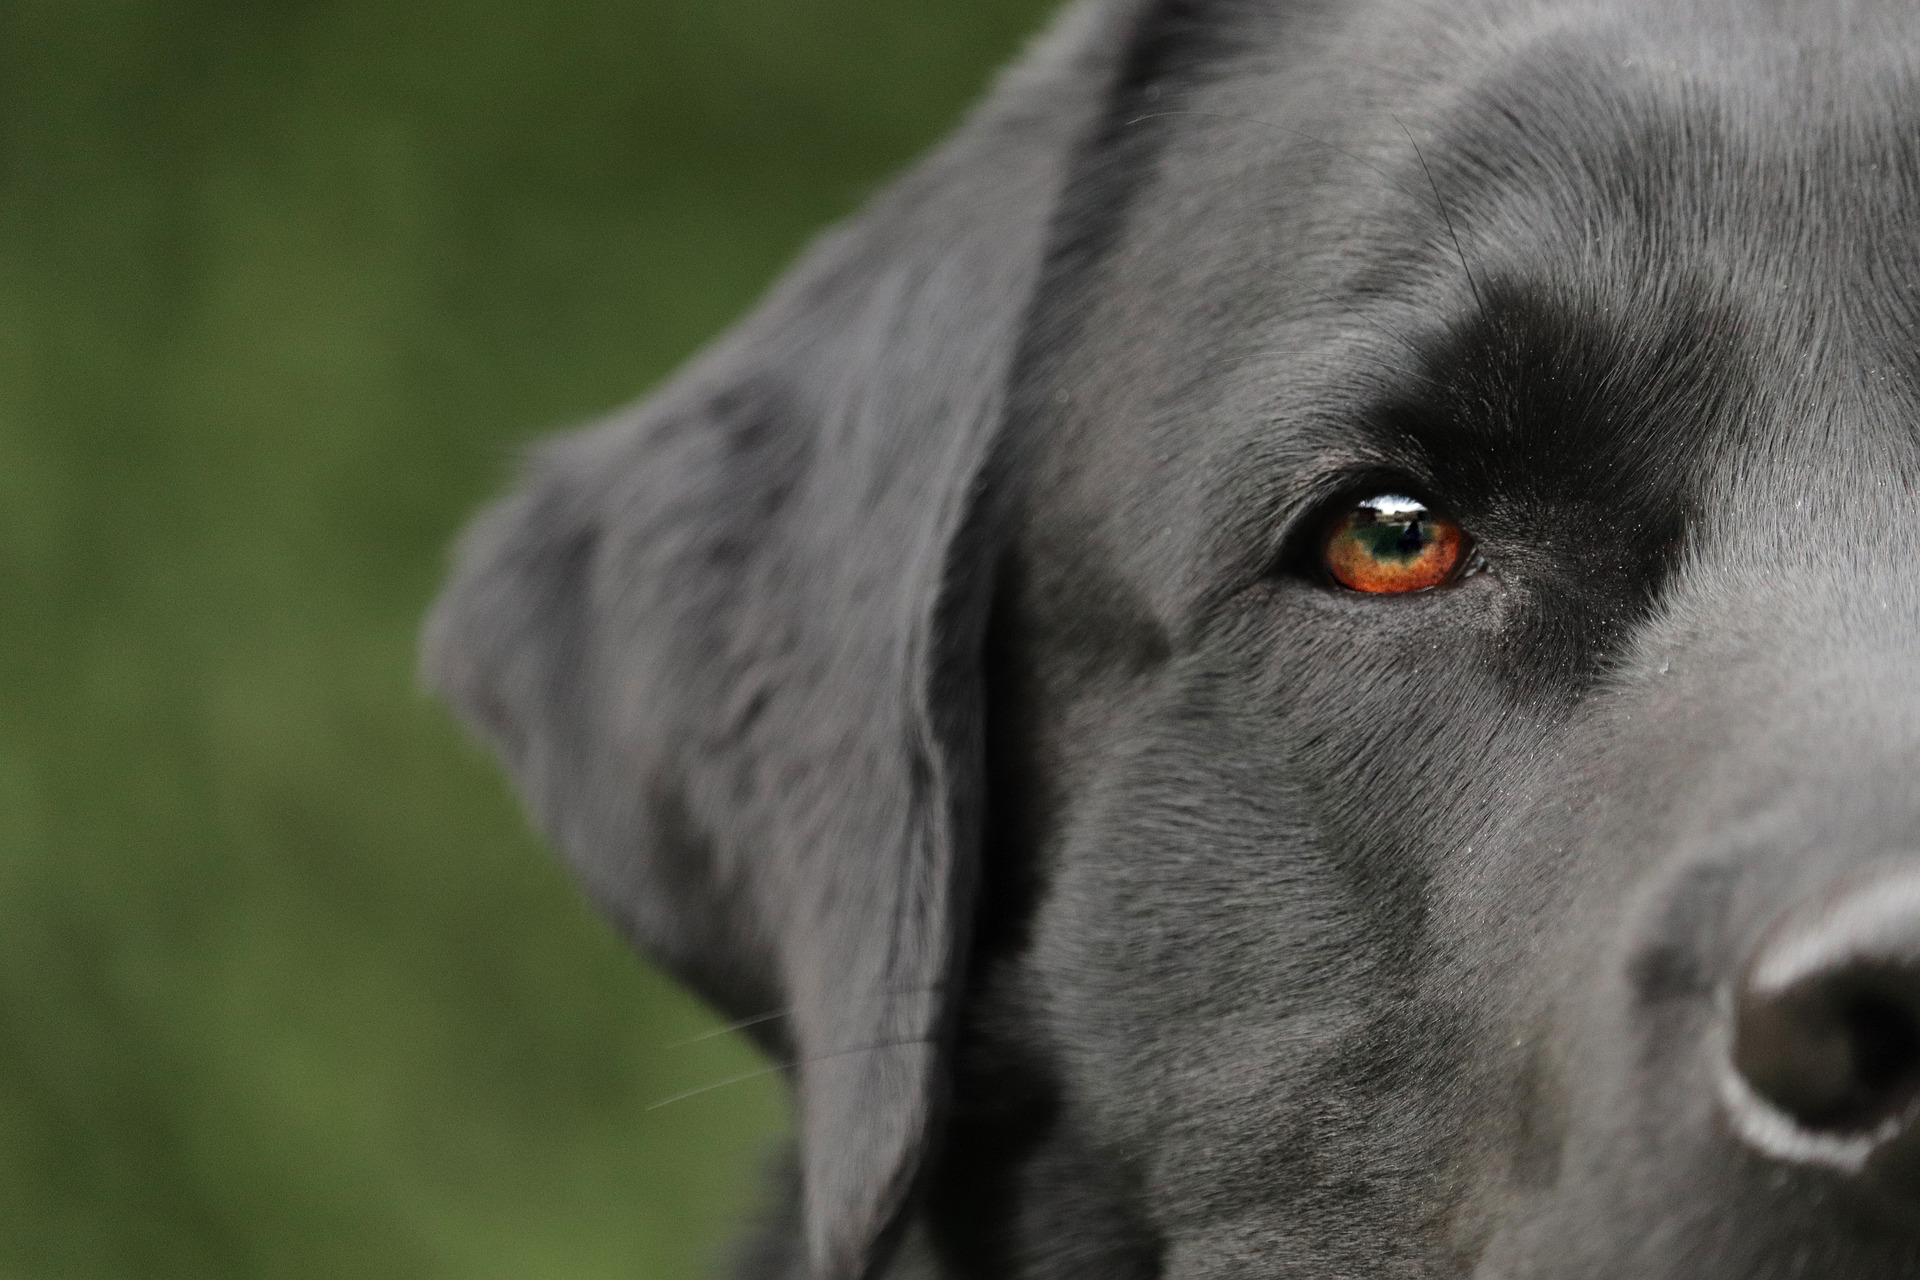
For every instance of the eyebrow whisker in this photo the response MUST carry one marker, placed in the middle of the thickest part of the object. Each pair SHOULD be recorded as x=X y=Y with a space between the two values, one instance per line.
x=1446 y=217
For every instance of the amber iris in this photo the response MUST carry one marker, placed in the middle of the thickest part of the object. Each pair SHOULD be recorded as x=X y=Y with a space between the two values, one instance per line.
x=1391 y=545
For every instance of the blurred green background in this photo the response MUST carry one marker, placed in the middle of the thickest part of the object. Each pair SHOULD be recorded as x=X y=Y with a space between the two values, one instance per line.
x=286 y=990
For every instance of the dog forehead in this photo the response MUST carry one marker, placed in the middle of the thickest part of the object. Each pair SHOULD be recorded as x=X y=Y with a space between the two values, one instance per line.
x=1591 y=142
x=1296 y=230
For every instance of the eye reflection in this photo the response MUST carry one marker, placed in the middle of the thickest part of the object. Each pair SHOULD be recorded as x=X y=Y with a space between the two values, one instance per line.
x=1390 y=544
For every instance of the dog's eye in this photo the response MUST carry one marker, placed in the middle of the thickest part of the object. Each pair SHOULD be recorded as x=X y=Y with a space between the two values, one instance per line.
x=1391 y=545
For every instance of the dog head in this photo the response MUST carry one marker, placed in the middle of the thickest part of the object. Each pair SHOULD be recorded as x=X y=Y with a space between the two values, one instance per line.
x=1294 y=657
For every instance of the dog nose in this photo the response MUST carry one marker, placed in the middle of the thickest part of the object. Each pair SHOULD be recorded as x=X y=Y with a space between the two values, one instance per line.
x=1826 y=1033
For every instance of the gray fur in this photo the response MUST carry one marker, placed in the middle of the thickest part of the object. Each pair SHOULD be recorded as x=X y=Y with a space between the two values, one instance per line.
x=941 y=658
x=720 y=640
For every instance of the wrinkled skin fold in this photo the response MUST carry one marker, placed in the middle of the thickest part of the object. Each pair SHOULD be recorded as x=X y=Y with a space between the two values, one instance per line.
x=941 y=663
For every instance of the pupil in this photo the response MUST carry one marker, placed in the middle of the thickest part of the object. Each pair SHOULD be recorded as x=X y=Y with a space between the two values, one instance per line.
x=1396 y=539
x=1393 y=527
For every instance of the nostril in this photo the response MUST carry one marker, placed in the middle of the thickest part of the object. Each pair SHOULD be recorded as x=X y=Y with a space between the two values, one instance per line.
x=1838 y=1050
x=1884 y=1037
x=1825 y=1043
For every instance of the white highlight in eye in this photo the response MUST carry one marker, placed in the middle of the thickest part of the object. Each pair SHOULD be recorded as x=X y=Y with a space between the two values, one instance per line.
x=1393 y=508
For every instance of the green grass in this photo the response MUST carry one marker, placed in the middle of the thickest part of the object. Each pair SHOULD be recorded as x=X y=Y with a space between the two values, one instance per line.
x=286 y=990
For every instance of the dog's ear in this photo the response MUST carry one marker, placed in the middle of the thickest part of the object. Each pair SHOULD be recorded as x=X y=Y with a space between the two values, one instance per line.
x=727 y=643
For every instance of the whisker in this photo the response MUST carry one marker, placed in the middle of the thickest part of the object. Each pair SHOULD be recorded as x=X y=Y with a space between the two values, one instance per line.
x=774 y=1015
x=742 y=1078
x=731 y=1027
x=1447 y=218
x=771 y=1068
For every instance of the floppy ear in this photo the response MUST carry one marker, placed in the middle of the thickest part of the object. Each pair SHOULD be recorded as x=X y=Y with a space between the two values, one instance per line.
x=727 y=642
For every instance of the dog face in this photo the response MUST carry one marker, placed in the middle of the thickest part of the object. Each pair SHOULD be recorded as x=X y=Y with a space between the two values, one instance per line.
x=1292 y=659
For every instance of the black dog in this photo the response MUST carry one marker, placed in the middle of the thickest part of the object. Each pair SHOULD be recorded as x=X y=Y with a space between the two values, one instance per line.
x=1295 y=658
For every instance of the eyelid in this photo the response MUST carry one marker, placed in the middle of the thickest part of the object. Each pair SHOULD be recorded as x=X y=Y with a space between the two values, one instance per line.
x=1306 y=512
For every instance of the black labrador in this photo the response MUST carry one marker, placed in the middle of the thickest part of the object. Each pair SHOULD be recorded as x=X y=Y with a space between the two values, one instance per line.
x=1295 y=657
